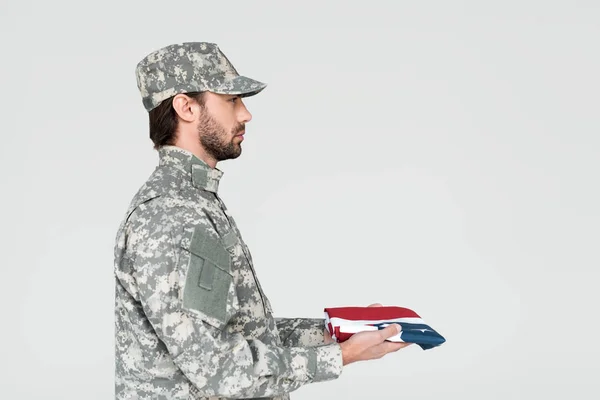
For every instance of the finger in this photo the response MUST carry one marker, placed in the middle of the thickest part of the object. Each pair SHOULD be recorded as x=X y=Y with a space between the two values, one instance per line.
x=399 y=345
x=390 y=347
x=376 y=305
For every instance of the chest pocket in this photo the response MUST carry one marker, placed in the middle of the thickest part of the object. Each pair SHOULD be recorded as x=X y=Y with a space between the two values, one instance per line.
x=238 y=249
x=209 y=291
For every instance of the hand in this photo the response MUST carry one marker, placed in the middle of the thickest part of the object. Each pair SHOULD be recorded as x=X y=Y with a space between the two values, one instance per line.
x=364 y=346
x=371 y=345
x=327 y=336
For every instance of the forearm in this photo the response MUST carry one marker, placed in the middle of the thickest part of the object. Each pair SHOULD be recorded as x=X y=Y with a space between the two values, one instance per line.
x=235 y=368
x=303 y=332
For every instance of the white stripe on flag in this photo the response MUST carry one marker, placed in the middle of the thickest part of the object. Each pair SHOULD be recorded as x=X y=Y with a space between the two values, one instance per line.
x=335 y=321
x=365 y=328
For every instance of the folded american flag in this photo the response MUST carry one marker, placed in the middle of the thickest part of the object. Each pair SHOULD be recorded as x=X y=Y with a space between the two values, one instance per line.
x=343 y=322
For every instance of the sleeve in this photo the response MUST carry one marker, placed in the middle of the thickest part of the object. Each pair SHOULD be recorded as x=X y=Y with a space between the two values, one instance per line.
x=188 y=295
x=303 y=332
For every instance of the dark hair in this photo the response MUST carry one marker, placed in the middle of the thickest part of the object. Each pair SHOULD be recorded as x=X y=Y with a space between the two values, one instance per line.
x=163 y=120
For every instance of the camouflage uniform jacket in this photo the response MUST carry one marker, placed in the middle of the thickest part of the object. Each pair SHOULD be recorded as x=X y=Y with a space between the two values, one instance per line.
x=192 y=321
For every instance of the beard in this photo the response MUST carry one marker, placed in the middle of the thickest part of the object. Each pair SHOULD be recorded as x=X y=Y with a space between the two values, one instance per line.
x=215 y=139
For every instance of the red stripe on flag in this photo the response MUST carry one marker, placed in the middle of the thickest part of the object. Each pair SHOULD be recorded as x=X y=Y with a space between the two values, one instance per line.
x=371 y=313
x=344 y=336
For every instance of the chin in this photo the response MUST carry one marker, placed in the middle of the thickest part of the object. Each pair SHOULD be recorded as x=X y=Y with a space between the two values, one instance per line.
x=232 y=156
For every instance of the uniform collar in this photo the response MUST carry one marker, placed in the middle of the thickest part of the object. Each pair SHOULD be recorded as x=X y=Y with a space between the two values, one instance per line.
x=201 y=174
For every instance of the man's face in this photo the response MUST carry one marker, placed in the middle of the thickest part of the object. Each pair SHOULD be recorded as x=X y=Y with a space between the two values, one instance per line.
x=221 y=125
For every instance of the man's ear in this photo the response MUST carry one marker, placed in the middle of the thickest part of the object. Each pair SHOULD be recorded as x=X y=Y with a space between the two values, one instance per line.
x=186 y=108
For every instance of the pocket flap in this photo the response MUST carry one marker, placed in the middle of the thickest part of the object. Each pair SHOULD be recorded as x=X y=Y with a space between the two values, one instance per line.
x=229 y=239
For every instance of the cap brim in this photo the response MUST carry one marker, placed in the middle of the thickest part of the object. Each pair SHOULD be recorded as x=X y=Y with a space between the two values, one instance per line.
x=240 y=85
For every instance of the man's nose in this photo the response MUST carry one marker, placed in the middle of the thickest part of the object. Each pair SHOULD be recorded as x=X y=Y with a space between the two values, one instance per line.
x=245 y=115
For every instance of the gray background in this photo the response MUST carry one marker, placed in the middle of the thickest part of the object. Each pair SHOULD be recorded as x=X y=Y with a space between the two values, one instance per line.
x=441 y=156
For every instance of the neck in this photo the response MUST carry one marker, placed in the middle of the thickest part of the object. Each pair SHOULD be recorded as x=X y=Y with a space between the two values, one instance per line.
x=196 y=149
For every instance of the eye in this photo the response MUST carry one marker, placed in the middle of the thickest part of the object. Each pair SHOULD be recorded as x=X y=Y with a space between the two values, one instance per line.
x=233 y=99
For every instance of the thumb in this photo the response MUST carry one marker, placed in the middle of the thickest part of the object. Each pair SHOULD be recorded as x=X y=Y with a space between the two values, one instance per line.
x=389 y=331
x=376 y=305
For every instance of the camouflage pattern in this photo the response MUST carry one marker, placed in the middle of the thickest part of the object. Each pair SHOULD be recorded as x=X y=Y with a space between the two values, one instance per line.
x=190 y=67
x=192 y=320
x=301 y=331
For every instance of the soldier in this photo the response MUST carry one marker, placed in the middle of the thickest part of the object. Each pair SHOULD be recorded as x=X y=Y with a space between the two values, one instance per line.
x=192 y=321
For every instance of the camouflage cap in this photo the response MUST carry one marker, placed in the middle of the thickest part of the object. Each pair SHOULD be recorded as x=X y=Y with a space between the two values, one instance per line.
x=190 y=67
